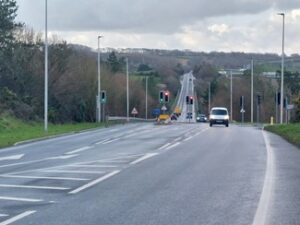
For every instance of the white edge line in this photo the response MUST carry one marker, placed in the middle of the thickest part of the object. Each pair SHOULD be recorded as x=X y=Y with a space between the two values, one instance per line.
x=18 y=217
x=78 y=150
x=101 y=142
x=20 y=199
x=94 y=182
x=33 y=187
x=107 y=142
x=189 y=138
x=261 y=214
x=173 y=145
x=147 y=156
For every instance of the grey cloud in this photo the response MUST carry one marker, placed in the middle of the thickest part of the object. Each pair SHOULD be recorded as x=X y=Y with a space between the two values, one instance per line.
x=152 y=16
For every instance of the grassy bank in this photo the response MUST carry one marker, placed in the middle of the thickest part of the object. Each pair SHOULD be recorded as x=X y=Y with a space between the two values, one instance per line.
x=13 y=130
x=290 y=132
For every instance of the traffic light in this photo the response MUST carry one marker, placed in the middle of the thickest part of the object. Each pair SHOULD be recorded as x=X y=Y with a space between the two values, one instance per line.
x=103 y=97
x=191 y=100
x=187 y=99
x=258 y=99
x=167 y=94
x=161 y=96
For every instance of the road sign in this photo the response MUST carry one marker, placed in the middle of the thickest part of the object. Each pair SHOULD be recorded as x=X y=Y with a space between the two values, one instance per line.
x=163 y=108
x=243 y=110
x=156 y=112
x=290 y=107
x=134 y=111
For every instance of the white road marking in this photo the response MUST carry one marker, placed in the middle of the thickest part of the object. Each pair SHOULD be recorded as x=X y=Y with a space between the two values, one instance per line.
x=91 y=166
x=33 y=187
x=20 y=199
x=70 y=171
x=110 y=141
x=3 y=215
x=177 y=139
x=12 y=157
x=45 y=178
x=173 y=146
x=189 y=138
x=101 y=142
x=112 y=161
x=78 y=150
x=18 y=217
x=94 y=182
x=261 y=215
x=147 y=156
x=40 y=160
x=164 y=146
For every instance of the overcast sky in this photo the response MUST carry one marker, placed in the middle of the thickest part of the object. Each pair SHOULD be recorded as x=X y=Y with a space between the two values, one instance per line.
x=198 y=25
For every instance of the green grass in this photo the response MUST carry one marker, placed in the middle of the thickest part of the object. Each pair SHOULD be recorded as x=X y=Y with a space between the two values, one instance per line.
x=290 y=132
x=13 y=130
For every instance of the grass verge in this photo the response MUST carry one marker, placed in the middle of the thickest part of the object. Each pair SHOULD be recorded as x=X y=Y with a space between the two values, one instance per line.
x=13 y=130
x=291 y=132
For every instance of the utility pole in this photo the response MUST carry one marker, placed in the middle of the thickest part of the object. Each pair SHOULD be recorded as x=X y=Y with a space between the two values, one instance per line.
x=209 y=95
x=231 y=113
x=46 y=70
x=127 y=90
x=282 y=70
x=252 y=88
x=98 y=104
x=146 y=113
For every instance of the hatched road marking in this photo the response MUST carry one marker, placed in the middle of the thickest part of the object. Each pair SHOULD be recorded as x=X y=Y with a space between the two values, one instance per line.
x=18 y=217
x=45 y=178
x=33 y=187
x=20 y=199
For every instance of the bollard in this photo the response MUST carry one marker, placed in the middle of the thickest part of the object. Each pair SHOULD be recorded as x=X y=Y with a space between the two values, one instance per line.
x=272 y=120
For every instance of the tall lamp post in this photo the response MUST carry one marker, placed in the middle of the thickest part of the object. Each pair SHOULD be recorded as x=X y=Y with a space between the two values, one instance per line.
x=282 y=70
x=46 y=70
x=98 y=105
x=127 y=91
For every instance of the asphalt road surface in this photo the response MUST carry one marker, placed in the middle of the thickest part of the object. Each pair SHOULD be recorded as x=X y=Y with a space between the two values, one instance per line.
x=149 y=174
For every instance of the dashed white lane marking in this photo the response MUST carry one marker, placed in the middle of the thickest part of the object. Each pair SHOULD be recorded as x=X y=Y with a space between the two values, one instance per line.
x=261 y=215
x=78 y=150
x=20 y=199
x=33 y=187
x=18 y=217
x=173 y=146
x=45 y=178
x=177 y=139
x=71 y=171
x=4 y=215
x=101 y=142
x=88 y=185
x=164 y=146
x=147 y=156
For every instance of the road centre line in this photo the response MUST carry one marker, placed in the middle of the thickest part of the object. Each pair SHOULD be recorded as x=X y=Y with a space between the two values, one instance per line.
x=94 y=182
x=71 y=171
x=45 y=178
x=33 y=187
x=3 y=215
x=78 y=150
x=20 y=199
x=147 y=156
x=18 y=217
x=268 y=186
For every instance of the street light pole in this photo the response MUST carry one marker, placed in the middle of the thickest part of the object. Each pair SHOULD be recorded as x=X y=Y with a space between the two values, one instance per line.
x=209 y=96
x=146 y=97
x=252 y=98
x=46 y=69
x=127 y=90
x=231 y=114
x=98 y=105
x=282 y=70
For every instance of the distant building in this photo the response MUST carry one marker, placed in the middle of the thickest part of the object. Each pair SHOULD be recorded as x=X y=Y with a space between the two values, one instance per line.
x=269 y=74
